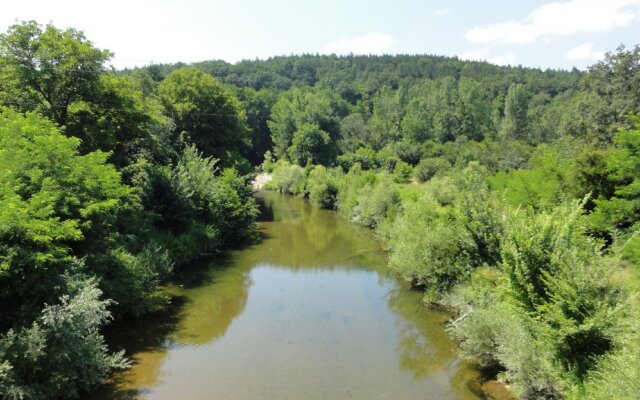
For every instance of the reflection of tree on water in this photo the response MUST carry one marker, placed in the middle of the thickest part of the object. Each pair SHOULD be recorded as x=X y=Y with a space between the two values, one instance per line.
x=307 y=237
x=145 y=342
x=424 y=346
x=206 y=298
x=425 y=349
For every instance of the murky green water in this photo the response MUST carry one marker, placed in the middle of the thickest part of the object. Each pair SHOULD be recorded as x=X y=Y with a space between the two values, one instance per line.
x=309 y=313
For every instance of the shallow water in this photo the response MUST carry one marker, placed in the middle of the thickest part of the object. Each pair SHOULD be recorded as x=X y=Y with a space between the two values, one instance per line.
x=308 y=313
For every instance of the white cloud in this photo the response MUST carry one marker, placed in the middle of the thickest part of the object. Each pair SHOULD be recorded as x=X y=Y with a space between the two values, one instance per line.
x=585 y=52
x=560 y=18
x=484 y=54
x=507 y=59
x=370 y=43
x=475 y=55
x=441 y=12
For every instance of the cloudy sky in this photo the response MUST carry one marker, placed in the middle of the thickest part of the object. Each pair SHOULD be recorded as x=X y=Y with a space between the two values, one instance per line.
x=535 y=33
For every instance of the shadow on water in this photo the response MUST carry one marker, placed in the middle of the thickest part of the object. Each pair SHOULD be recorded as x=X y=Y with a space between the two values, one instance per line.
x=143 y=335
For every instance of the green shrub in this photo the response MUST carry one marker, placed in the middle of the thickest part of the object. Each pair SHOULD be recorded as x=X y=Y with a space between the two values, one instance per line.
x=402 y=172
x=427 y=245
x=62 y=353
x=322 y=187
x=349 y=190
x=364 y=156
x=223 y=202
x=376 y=203
x=429 y=167
x=288 y=178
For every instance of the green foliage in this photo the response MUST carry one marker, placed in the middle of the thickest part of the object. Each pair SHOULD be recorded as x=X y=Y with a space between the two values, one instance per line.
x=514 y=125
x=558 y=277
x=376 y=203
x=609 y=93
x=122 y=120
x=364 y=156
x=222 y=203
x=203 y=108
x=57 y=204
x=620 y=209
x=402 y=172
x=288 y=178
x=309 y=144
x=36 y=62
x=427 y=246
x=323 y=186
x=305 y=125
x=386 y=119
x=549 y=180
x=437 y=246
x=257 y=105
x=62 y=354
x=429 y=167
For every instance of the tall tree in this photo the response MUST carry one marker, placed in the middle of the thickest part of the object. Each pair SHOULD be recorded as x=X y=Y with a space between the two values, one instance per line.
x=308 y=120
x=514 y=124
x=48 y=69
x=201 y=106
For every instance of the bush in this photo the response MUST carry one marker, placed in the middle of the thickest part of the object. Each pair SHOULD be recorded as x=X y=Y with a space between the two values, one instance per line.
x=427 y=246
x=402 y=172
x=376 y=203
x=429 y=167
x=287 y=178
x=556 y=272
x=62 y=353
x=364 y=156
x=322 y=187
x=223 y=202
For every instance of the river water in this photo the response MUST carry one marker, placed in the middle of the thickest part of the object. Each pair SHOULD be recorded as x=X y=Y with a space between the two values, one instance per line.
x=308 y=313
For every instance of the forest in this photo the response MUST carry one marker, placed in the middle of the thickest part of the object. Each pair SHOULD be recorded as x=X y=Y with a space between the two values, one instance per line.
x=508 y=195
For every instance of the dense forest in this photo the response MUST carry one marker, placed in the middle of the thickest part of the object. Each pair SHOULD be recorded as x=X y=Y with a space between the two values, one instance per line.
x=509 y=195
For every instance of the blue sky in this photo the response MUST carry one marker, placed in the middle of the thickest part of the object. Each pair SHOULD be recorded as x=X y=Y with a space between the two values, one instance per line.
x=535 y=33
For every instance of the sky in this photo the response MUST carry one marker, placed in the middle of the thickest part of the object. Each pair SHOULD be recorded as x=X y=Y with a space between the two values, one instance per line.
x=544 y=34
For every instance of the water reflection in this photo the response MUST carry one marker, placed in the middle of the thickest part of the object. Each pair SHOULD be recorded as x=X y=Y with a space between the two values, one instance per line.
x=308 y=313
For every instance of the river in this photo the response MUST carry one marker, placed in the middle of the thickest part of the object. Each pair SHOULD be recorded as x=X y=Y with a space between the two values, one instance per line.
x=307 y=313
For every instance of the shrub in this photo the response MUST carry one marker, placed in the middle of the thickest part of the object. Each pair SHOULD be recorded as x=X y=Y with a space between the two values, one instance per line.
x=376 y=203
x=402 y=172
x=429 y=167
x=322 y=187
x=288 y=178
x=62 y=353
x=427 y=246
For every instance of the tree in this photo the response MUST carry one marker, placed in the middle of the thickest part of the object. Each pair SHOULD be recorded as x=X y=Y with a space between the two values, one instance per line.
x=258 y=108
x=202 y=107
x=619 y=209
x=121 y=119
x=48 y=69
x=609 y=93
x=310 y=144
x=473 y=109
x=59 y=206
x=514 y=124
x=386 y=120
x=312 y=119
